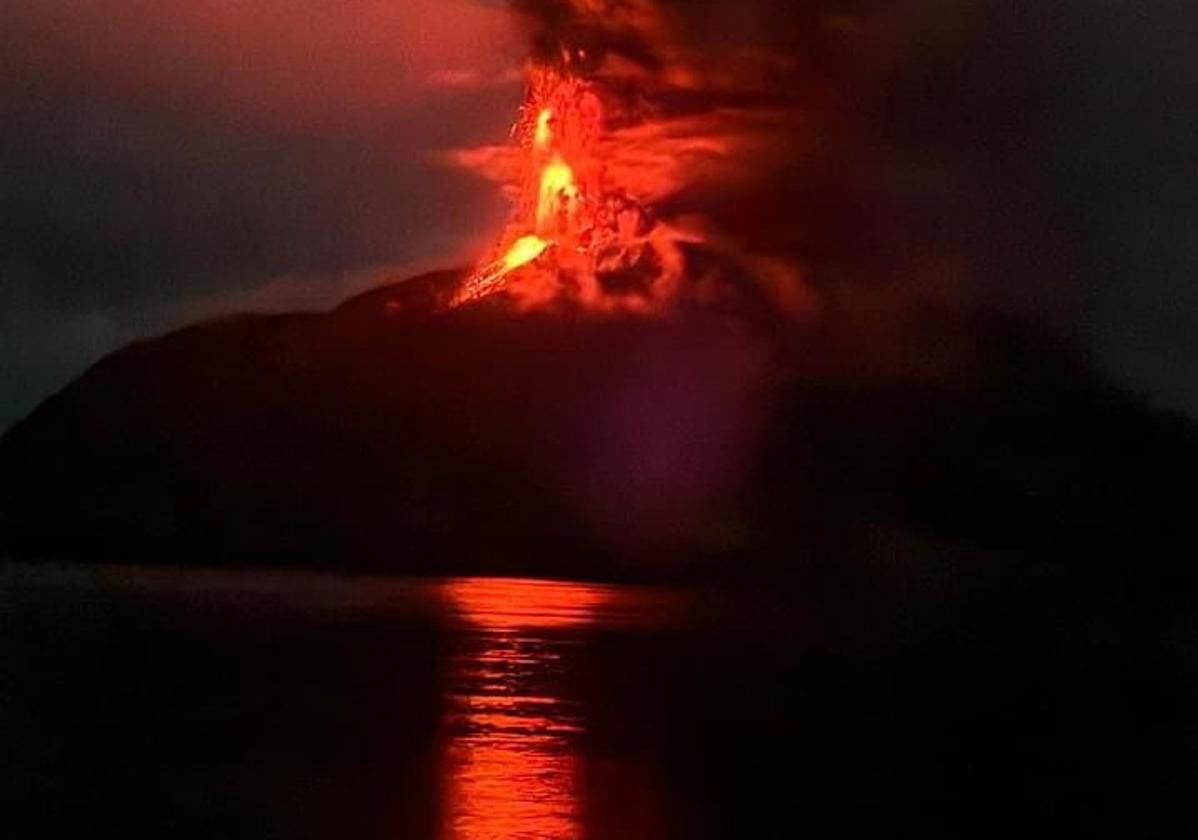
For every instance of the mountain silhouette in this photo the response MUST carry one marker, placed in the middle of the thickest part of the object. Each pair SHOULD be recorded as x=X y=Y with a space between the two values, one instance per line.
x=393 y=434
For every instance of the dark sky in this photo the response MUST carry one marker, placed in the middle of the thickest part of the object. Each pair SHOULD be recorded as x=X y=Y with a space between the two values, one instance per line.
x=163 y=161
x=166 y=161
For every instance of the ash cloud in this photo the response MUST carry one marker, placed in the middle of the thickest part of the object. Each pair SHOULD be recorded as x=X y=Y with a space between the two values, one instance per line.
x=950 y=155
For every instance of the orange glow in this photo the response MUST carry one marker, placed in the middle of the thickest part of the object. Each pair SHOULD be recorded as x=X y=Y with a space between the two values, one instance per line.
x=513 y=787
x=559 y=195
x=511 y=762
x=631 y=157
x=523 y=251
x=567 y=199
x=494 y=604
x=543 y=133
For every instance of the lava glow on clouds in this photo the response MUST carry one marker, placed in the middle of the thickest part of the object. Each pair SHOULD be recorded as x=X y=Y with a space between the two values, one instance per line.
x=264 y=59
x=862 y=155
x=622 y=119
x=884 y=157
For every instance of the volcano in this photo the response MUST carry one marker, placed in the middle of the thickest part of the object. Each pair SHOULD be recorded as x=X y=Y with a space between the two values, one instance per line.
x=721 y=331
x=400 y=433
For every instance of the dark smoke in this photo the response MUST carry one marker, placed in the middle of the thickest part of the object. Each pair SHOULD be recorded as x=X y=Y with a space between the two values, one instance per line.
x=906 y=157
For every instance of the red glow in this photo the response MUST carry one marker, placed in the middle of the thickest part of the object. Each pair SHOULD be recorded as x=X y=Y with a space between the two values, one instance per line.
x=511 y=765
x=597 y=228
x=510 y=604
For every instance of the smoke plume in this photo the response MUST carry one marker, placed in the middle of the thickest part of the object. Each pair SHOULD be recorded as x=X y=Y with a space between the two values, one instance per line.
x=850 y=158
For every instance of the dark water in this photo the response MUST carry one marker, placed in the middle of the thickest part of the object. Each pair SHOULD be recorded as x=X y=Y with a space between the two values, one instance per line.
x=157 y=704
x=184 y=704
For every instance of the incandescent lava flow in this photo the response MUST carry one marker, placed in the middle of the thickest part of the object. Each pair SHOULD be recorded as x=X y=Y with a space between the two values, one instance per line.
x=643 y=164
x=575 y=235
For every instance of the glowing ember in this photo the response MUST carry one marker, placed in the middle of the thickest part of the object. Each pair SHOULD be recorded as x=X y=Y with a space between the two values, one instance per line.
x=544 y=132
x=574 y=237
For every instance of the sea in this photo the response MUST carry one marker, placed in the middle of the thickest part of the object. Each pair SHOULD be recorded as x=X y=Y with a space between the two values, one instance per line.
x=179 y=703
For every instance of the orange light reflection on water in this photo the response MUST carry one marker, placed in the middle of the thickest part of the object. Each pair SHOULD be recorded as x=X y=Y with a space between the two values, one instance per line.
x=512 y=762
x=511 y=604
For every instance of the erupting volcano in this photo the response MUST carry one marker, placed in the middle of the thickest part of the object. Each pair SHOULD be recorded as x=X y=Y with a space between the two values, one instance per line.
x=759 y=471
x=738 y=306
x=644 y=166
x=576 y=235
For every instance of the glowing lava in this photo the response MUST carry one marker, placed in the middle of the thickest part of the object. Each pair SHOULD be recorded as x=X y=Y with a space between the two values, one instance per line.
x=559 y=194
x=544 y=134
x=524 y=250
x=572 y=231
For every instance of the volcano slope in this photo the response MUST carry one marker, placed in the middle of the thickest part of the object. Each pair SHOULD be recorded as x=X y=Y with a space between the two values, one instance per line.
x=393 y=434
x=985 y=568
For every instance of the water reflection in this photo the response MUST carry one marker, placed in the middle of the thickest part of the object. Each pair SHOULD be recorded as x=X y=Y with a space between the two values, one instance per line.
x=513 y=724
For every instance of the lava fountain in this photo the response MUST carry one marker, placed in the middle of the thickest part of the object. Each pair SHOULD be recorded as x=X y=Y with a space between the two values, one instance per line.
x=649 y=165
x=575 y=236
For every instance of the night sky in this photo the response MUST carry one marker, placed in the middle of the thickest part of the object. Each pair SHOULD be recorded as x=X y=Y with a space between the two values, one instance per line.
x=163 y=162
